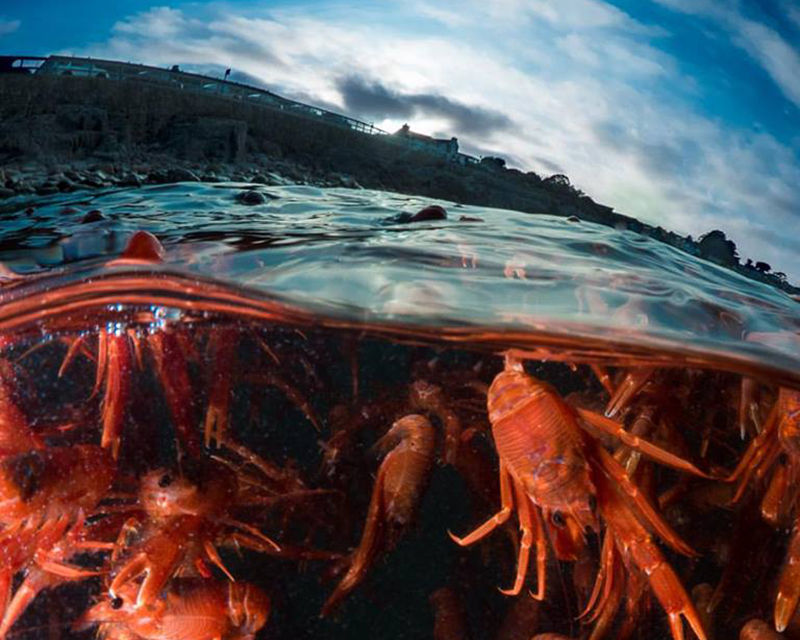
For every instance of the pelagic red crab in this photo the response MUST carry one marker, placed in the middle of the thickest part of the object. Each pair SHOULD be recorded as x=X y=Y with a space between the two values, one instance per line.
x=183 y=456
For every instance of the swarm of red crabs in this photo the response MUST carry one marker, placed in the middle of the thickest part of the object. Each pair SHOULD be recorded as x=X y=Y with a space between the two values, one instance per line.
x=594 y=485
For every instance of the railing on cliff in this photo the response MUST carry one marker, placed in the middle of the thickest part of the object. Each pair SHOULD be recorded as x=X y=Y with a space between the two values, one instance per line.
x=206 y=85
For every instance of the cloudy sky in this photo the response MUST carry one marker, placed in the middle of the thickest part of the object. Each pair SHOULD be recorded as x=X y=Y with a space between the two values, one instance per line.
x=683 y=113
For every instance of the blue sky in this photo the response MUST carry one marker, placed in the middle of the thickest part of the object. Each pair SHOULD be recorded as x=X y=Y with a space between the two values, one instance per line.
x=683 y=113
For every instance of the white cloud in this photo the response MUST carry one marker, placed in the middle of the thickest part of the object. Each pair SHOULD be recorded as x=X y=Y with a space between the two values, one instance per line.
x=585 y=14
x=779 y=59
x=449 y=18
x=584 y=89
x=611 y=56
x=8 y=26
x=776 y=56
x=158 y=22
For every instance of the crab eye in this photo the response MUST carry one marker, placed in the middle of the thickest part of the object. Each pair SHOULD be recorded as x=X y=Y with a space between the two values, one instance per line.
x=165 y=480
x=558 y=519
x=116 y=603
x=593 y=503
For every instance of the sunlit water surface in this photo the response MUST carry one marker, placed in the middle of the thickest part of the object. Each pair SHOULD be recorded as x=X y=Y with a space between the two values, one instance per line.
x=346 y=254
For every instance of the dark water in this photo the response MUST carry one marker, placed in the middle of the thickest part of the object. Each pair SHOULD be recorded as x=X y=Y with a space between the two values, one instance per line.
x=329 y=299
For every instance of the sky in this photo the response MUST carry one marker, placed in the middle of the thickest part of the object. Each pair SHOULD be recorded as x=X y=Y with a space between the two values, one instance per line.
x=682 y=113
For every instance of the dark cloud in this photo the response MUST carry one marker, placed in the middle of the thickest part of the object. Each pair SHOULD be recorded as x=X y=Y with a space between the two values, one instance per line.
x=371 y=99
x=309 y=99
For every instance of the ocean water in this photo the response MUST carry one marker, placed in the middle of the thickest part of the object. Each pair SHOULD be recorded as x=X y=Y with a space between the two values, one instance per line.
x=342 y=254
x=334 y=305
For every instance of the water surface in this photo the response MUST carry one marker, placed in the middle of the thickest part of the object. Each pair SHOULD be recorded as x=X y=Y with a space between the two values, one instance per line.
x=347 y=255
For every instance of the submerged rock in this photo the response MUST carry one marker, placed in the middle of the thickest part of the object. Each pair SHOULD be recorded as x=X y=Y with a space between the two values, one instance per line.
x=251 y=197
x=431 y=212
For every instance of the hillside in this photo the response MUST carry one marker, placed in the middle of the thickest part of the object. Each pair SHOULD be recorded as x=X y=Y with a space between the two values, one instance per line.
x=58 y=133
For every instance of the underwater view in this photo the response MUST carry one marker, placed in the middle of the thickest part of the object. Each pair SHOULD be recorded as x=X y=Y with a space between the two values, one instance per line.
x=349 y=413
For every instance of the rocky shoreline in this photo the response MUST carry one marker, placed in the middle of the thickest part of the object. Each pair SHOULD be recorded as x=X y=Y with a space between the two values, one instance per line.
x=29 y=180
x=62 y=134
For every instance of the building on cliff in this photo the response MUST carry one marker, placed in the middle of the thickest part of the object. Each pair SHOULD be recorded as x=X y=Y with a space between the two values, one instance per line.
x=439 y=146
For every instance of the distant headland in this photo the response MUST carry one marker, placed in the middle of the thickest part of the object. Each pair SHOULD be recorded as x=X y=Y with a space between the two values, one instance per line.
x=71 y=123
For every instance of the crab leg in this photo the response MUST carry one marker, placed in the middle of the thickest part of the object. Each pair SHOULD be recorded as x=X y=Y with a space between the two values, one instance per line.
x=429 y=397
x=116 y=357
x=272 y=379
x=609 y=583
x=612 y=470
x=650 y=450
x=628 y=388
x=174 y=376
x=222 y=347
x=633 y=541
x=499 y=518
x=602 y=375
x=789 y=583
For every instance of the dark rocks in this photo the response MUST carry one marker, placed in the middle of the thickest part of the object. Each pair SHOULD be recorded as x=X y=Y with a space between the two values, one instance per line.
x=343 y=180
x=157 y=177
x=251 y=197
x=431 y=212
x=172 y=174
x=95 y=215
x=180 y=174
x=94 y=181
x=130 y=180
x=260 y=178
x=65 y=184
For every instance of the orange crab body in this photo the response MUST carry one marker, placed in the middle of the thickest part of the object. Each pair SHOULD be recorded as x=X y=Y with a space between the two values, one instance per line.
x=541 y=445
x=190 y=609
x=549 y=465
x=53 y=482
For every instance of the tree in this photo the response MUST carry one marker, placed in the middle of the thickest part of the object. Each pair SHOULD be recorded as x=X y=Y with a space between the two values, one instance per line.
x=558 y=180
x=716 y=247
